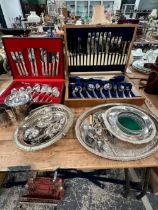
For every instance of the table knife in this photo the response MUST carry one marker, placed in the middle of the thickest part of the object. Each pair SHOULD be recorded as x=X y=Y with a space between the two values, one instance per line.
x=53 y=64
x=23 y=63
x=30 y=59
x=57 y=64
x=16 y=63
x=49 y=63
x=19 y=62
x=34 y=61
x=45 y=61
x=42 y=61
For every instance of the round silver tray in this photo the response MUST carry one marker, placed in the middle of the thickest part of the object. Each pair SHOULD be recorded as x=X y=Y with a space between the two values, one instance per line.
x=43 y=127
x=112 y=148
x=110 y=121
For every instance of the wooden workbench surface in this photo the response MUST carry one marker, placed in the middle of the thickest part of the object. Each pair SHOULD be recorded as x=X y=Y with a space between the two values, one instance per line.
x=66 y=153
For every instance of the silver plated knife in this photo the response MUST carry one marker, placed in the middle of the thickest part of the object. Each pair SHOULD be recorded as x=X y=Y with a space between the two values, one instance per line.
x=53 y=64
x=31 y=61
x=57 y=64
x=16 y=63
x=42 y=61
x=23 y=63
x=34 y=61
x=19 y=62
x=45 y=61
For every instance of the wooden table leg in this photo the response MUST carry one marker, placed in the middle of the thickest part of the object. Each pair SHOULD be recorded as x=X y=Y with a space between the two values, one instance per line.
x=145 y=184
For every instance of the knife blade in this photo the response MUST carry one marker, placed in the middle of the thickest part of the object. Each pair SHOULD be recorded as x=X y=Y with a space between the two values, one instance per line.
x=34 y=61
x=57 y=64
x=30 y=59
x=19 y=62
x=23 y=63
x=53 y=64
x=45 y=61
x=42 y=61
x=16 y=63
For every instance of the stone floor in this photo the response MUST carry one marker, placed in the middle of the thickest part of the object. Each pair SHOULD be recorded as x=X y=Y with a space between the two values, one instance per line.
x=81 y=194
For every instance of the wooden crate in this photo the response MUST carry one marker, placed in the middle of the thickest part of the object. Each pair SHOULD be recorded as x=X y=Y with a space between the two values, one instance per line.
x=84 y=58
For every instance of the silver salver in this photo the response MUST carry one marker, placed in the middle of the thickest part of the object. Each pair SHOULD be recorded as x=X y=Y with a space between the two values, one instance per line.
x=96 y=138
x=148 y=133
x=43 y=127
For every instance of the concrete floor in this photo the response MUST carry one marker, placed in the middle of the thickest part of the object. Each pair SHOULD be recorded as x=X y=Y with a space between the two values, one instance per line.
x=81 y=194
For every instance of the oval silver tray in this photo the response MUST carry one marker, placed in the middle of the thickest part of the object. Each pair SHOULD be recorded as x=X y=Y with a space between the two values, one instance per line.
x=110 y=121
x=43 y=127
x=113 y=148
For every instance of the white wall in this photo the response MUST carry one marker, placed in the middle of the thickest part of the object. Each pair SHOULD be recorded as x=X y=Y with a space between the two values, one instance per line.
x=117 y=5
x=11 y=9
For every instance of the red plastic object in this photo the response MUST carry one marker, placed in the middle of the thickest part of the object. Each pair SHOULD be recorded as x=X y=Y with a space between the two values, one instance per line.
x=21 y=45
x=44 y=189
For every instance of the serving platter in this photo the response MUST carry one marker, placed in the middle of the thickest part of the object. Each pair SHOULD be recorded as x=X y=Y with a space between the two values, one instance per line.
x=43 y=127
x=144 y=135
x=93 y=135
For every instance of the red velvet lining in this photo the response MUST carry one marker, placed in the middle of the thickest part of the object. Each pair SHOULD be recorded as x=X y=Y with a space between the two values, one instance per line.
x=22 y=44
x=23 y=83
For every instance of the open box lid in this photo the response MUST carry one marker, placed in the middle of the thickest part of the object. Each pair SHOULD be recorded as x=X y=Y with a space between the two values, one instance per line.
x=25 y=50
x=98 y=48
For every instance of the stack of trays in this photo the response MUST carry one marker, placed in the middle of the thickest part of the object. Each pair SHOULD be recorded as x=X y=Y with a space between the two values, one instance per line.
x=118 y=131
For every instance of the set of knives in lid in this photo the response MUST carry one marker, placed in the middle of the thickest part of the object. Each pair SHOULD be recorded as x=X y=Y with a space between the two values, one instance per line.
x=49 y=62
x=98 y=48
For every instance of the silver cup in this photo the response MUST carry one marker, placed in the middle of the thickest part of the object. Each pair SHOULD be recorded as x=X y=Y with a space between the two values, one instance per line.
x=19 y=104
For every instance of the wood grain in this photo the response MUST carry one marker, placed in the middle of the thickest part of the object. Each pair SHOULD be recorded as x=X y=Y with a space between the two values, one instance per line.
x=66 y=153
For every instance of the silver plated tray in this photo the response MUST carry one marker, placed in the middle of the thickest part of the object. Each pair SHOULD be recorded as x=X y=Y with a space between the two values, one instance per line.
x=92 y=133
x=148 y=132
x=43 y=127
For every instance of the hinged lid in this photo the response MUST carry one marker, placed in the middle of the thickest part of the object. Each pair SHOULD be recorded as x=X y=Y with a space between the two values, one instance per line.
x=97 y=48
x=35 y=58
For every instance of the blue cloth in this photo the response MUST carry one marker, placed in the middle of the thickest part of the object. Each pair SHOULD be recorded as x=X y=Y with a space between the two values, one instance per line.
x=117 y=81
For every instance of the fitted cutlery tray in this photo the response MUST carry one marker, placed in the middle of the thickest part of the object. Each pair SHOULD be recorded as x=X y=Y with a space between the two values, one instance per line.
x=35 y=61
x=94 y=54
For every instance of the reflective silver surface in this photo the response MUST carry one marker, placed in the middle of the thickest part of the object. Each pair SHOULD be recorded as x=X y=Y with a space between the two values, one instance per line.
x=110 y=120
x=94 y=135
x=43 y=127
x=17 y=98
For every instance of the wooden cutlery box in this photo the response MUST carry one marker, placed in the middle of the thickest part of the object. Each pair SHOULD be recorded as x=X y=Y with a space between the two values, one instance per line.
x=98 y=56
x=35 y=61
